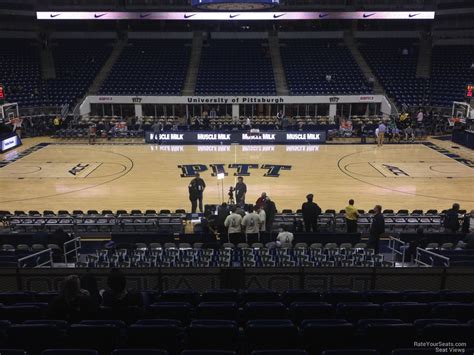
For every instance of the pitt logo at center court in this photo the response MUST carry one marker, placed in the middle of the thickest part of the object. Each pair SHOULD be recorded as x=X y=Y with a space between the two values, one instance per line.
x=272 y=170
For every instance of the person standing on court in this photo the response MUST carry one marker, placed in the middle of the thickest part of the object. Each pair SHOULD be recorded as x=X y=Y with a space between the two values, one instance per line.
x=451 y=219
x=251 y=224
x=310 y=211
x=381 y=134
x=233 y=222
x=261 y=200
x=377 y=228
x=196 y=189
x=351 y=217
x=270 y=211
x=240 y=191
x=263 y=219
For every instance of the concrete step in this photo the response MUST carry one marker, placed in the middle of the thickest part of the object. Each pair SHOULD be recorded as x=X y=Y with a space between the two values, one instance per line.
x=278 y=69
x=193 y=67
x=423 y=67
x=48 y=69
x=105 y=70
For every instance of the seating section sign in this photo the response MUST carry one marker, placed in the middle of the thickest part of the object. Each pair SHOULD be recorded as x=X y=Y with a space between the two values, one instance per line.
x=202 y=137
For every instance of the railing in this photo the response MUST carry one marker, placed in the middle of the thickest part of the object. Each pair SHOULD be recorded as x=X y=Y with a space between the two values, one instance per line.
x=39 y=111
x=72 y=246
x=430 y=259
x=395 y=245
x=37 y=260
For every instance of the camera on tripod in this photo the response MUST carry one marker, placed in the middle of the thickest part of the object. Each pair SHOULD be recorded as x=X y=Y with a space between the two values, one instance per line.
x=231 y=195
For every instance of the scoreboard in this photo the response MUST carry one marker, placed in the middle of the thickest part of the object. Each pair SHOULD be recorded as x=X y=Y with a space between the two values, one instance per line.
x=469 y=91
x=2 y=94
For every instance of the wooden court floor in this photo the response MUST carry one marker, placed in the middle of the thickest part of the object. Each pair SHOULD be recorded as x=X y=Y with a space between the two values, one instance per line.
x=71 y=176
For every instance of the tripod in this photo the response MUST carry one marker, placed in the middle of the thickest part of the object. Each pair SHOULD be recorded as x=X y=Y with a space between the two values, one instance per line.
x=231 y=200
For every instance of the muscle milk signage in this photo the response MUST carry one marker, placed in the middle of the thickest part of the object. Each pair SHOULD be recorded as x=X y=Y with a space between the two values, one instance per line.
x=200 y=137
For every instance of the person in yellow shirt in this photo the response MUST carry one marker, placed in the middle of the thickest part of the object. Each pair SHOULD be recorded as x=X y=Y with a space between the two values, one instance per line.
x=351 y=217
x=403 y=116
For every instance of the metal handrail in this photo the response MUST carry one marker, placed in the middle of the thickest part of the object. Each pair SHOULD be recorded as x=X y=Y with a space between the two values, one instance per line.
x=394 y=245
x=37 y=255
x=432 y=258
x=76 y=247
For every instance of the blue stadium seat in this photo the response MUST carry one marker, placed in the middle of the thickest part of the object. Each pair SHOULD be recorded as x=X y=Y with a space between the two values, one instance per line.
x=457 y=296
x=259 y=295
x=235 y=67
x=170 y=310
x=295 y=295
x=397 y=71
x=335 y=297
x=354 y=311
x=139 y=352
x=161 y=322
x=180 y=295
x=461 y=312
x=103 y=338
x=220 y=295
x=149 y=67
x=154 y=337
x=271 y=334
x=351 y=352
x=208 y=352
x=317 y=336
x=421 y=323
x=117 y=323
x=10 y=298
x=212 y=334
x=39 y=336
x=265 y=310
x=308 y=61
x=61 y=324
x=406 y=311
x=364 y=323
x=412 y=351
x=19 y=314
x=70 y=352
x=448 y=333
x=217 y=310
x=383 y=296
x=385 y=337
x=280 y=352
x=311 y=310
x=421 y=296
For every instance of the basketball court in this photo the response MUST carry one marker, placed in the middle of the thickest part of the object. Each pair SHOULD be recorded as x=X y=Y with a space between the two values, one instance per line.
x=42 y=175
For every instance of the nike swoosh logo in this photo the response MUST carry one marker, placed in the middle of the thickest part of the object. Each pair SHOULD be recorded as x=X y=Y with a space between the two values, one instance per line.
x=188 y=16
x=144 y=15
x=55 y=15
x=277 y=16
x=368 y=15
x=232 y=16
x=323 y=15
x=413 y=15
x=100 y=15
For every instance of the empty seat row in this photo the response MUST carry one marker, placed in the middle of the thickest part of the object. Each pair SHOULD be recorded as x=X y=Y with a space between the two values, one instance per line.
x=333 y=297
x=356 y=351
x=297 y=312
x=313 y=335
x=47 y=213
